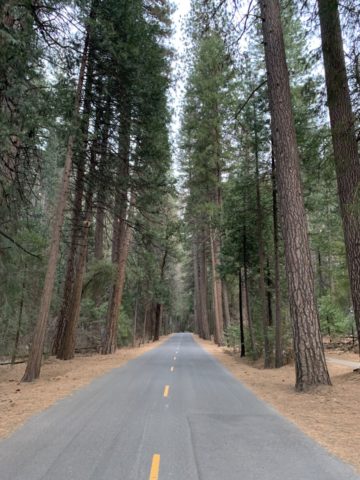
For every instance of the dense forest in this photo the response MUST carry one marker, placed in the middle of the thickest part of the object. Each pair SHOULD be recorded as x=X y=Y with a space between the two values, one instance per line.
x=240 y=222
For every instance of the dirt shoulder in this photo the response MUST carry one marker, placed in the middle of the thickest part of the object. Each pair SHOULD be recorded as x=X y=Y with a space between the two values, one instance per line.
x=19 y=401
x=327 y=414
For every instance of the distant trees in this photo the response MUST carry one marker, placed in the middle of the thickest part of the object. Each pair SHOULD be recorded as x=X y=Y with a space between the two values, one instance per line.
x=254 y=250
x=203 y=146
x=276 y=172
x=111 y=127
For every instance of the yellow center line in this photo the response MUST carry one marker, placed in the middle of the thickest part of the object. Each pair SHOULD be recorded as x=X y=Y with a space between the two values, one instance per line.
x=155 y=466
x=172 y=369
x=166 y=391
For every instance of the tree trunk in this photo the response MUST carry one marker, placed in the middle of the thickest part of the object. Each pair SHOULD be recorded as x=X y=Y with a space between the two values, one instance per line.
x=159 y=306
x=76 y=233
x=310 y=361
x=135 y=320
x=158 y=315
x=247 y=301
x=268 y=293
x=197 y=299
x=241 y=317
x=225 y=302
x=33 y=366
x=345 y=146
x=278 y=321
x=109 y=343
x=121 y=230
x=261 y=250
x=66 y=349
x=216 y=284
x=203 y=285
x=101 y=193
x=145 y=322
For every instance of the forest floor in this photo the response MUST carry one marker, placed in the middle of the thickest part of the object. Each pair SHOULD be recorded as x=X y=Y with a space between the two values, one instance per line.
x=327 y=414
x=19 y=401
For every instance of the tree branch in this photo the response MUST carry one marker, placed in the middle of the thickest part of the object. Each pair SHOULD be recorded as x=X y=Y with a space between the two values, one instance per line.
x=239 y=110
x=18 y=245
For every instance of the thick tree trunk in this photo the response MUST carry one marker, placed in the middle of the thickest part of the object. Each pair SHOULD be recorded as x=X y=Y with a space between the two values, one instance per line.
x=278 y=321
x=35 y=357
x=66 y=349
x=121 y=230
x=71 y=261
x=310 y=361
x=76 y=233
x=347 y=163
x=109 y=343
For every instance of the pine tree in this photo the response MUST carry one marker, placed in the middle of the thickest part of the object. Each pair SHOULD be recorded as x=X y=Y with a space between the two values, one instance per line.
x=309 y=352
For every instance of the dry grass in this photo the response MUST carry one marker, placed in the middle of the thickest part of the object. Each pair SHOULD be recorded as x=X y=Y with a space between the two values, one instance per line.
x=19 y=401
x=327 y=414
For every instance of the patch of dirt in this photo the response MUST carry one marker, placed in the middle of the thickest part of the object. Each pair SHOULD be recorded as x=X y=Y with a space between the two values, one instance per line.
x=327 y=414
x=339 y=354
x=19 y=401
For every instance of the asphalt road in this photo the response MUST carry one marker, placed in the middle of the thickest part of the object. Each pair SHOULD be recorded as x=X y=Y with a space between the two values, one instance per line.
x=148 y=421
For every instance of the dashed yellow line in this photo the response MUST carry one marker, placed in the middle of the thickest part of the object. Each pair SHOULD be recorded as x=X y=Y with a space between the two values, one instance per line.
x=166 y=391
x=155 y=467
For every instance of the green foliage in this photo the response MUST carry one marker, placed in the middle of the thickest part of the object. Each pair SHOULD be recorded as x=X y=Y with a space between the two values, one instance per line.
x=333 y=320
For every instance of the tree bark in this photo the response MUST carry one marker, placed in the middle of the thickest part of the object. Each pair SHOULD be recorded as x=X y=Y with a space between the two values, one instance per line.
x=310 y=364
x=76 y=233
x=347 y=164
x=121 y=230
x=66 y=349
x=33 y=366
x=109 y=343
